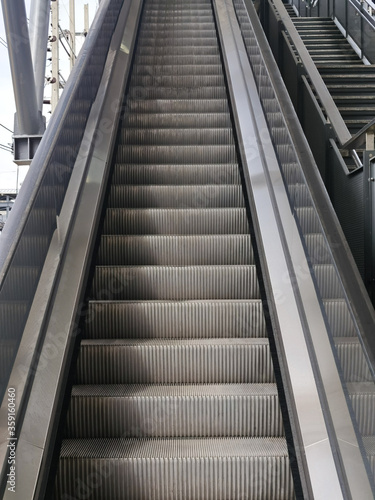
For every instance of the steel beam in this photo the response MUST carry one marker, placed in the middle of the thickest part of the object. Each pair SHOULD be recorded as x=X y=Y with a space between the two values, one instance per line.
x=28 y=119
x=39 y=27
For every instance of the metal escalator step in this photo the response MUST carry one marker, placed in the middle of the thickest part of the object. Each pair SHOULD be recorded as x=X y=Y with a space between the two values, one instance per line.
x=328 y=282
x=203 y=41
x=175 y=250
x=158 y=70
x=177 y=81
x=177 y=121
x=194 y=60
x=175 y=283
x=175 y=51
x=156 y=17
x=169 y=105
x=352 y=359
x=31 y=249
x=176 y=221
x=236 y=410
x=362 y=397
x=318 y=249
x=193 y=361
x=175 y=319
x=12 y=316
x=339 y=318
x=176 y=136
x=308 y=220
x=175 y=32
x=20 y=283
x=176 y=174
x=369 y=444
x=176 y=154
x=184 y=92
x=171 y=26
x=207 y=196
x=182 y=469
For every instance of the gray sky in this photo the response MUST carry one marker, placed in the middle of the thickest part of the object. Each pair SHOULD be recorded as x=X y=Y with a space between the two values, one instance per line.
x=8 y=170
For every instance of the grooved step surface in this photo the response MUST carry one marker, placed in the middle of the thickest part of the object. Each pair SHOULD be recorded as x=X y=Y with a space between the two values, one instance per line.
x=196 y=175
x=208 y=196
x=187 y=319
x=175 y=250
x=193 y=361
x=177 y=121
x=173 y=136
x=238 y=410
x=175 y=283
x=176 y=221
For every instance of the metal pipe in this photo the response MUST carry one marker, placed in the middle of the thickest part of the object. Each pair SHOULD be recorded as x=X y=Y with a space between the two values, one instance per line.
x=39 y=27
x=55 y=92
x=72 y=15
x=15 y=22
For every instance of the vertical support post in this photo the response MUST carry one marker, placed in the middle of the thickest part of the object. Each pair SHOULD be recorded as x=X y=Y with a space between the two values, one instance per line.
x=55 y=55
x=72 y=16
x=86 y=22
x=39 y=28
x=28 y=118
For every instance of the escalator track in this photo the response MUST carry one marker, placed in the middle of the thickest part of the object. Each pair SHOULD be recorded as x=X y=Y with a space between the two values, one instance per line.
x=175 y=394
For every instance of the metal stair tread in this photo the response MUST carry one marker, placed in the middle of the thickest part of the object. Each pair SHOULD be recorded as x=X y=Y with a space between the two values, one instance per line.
x=176 y=343
x=138 y=174
x=175 y=391
x=182 y=448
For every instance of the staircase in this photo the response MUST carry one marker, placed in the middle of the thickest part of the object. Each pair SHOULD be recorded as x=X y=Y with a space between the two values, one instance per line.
x=175 y=394
x=350 y=82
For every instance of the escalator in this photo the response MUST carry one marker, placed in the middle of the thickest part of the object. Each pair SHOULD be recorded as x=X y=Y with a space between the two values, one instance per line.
x=198 y=328
x=175 y=393
x=348 y=79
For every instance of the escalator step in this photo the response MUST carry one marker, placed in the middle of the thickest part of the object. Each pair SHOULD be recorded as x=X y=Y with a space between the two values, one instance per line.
x=177 y=154
x=175 y=250
x=194 y=91
x=175 y=319
x=178 y=105
x=187 y=82
x=175 y=51
x=352 y=359
x=183 y=469
x=176 y=221
x=179 y=136
x=175 y=283
x=193 y=60
x=362 y=397
x=177 y=121
x=205 y=68
x=176 y=174
x=207 y=196
x=170 y=361
x=237 y=410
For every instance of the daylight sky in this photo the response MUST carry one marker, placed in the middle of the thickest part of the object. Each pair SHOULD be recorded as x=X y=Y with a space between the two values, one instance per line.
x=8 y=169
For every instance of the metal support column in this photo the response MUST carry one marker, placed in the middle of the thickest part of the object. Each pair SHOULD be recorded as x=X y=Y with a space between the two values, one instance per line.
x=39 y=28
x=28 y=120
x=86 y=18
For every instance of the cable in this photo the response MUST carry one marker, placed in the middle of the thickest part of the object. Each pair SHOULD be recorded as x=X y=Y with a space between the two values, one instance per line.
x=67 y=40
x=6 y=148
x=6 y=128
